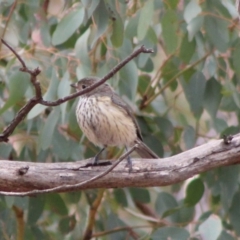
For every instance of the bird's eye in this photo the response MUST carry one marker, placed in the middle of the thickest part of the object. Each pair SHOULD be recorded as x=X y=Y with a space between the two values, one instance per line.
x=83 y=86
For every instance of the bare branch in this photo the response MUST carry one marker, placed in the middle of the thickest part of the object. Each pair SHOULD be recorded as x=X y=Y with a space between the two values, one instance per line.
x=28 y=178
x=142 y=49
x=67 y=187
x=37 y=99
x=18 y=118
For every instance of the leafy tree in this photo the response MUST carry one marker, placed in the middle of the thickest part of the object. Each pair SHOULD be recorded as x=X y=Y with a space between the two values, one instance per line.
x=184 y=94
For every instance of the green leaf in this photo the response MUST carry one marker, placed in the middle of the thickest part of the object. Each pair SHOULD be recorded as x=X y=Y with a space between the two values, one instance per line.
x=35 y=209
x=187 y=49
x=234 y=213
x=63 y=91
x=165 y=126
x=153 y=141
x=112 y=222
x=225 y=236
x=194 y=27
x=143 y=82
x=211 y=228
x=191 y=10
x=219 y=124
x=87 y=3
x=81 y=49
x=132 y=26
x=185 y=215
x=230 y=131
x=194 y=192
x=235 y=59
x=117 y=32
x=120 y=197
x=73 y=197
x=189 y=137
x=217 y=32
x=165 y=202
x=173 y=233
x=228 y=180
x=50 y=95
x=101 y=17
x=169 y=71
x=194 y=91
x=36 y=233
x=233 y=11
x=212 y=97
x=145 y=19
x=229 y=86
x=169 y=30
x=67 y=26
x=56 y=204
x=61 y=146
x=18 y=84
x=46 y=133
x=67 y=224
x=129 y=80
x=140 y=195
x=5 y=150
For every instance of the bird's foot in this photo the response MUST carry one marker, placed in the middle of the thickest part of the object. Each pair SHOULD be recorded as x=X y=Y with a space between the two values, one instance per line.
x=129 y=164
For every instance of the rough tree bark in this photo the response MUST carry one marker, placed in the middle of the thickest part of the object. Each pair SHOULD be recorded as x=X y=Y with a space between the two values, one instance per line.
x=20 y=178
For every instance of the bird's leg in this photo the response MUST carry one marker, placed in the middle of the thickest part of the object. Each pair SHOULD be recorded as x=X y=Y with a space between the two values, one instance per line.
x=129 y=161
x=95 y=159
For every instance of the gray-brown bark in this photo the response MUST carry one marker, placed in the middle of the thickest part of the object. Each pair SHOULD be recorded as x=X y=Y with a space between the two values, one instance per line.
x=17 y=177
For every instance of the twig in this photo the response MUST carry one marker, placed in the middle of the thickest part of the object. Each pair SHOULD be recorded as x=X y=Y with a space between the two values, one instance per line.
x=92 y=213
x=120 y=229
x=18 y=118
x=169 y=82
x=142 y=49
x=20 y=221
x=8 y=20
x=37 y=99
x=30 y=104
x=70 y=187
x=33 y=73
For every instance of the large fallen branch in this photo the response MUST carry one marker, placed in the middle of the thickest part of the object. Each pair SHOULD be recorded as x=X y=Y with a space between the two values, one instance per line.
x=28 y=178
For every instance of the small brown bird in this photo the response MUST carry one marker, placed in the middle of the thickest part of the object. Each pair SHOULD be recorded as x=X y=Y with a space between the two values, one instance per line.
x=107 y=120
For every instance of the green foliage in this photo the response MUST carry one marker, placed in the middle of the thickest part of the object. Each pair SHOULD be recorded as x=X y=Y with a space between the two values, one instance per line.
x=183 y=94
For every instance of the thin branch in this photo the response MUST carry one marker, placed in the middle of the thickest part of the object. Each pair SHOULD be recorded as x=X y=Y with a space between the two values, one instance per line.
x=119 y=229
x=68 y=187
x=92 y=213
x=142 y=49
x=8 y=20
x=20 y=222
x=170 y=81
x=33 y=73
x=37 y=99
x=18 y=118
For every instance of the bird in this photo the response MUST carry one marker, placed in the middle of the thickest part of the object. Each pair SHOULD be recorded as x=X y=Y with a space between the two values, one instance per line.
x=107 y=120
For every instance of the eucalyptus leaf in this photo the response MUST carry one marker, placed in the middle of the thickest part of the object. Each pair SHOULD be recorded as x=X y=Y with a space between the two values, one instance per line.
x=211 y=228
x=217 y=33
x=169 y=30
x=46 y=133
x=118 y=32
x=172 y=233
x=67 y=26
x=194 y=91
x=194 y=192
x=18 y=84
x=145 y=19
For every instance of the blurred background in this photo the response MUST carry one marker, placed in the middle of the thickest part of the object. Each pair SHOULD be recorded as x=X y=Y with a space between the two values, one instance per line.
x=183 y=95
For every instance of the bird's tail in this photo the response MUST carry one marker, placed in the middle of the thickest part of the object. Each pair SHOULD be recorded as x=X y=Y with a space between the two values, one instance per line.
x=144 y=151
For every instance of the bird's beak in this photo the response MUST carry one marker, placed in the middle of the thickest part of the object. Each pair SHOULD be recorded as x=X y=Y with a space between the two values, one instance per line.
x=74 y=85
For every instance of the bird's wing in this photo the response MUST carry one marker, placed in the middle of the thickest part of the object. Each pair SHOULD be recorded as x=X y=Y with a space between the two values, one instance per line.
x=118 y=102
